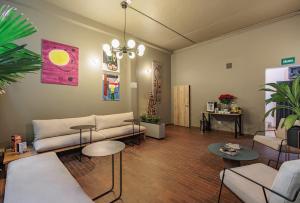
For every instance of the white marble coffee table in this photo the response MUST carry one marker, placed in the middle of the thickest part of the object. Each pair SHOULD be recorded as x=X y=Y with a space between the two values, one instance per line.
x=106 y=148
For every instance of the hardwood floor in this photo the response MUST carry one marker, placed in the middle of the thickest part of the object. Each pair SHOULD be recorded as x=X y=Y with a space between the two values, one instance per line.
x=178 y=169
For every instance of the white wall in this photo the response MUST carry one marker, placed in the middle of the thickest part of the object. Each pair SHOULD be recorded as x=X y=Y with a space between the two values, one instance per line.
x=251 y=52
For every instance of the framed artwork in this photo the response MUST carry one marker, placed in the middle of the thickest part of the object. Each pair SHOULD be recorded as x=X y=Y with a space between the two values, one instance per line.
x=60 y=63
x=110 y=63
x=111 y=87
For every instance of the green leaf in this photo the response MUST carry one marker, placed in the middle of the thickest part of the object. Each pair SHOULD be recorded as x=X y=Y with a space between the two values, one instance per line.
x=290 y=121
x=15 y=60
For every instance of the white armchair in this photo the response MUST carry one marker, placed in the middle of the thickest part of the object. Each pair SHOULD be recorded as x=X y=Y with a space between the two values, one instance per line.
x=259 y=183
x=278 y=142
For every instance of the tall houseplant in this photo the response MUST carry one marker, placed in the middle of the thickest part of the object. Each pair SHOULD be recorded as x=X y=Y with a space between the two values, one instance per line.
x=15 y=60
x=284 y=93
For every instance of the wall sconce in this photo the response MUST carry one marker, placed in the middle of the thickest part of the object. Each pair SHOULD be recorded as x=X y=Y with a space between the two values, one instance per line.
x=94 y=62
x=148 y=71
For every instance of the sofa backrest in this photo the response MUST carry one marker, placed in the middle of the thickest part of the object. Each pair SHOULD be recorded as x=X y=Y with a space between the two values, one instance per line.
x=57 y=127
x=287 y=182
x=113 y=120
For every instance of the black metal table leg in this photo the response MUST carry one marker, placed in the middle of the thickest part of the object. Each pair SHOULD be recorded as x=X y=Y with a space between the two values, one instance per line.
x=113 y=180
x=80 y=156
x=235 y=127
x=91 y=136
x=240 y=124
x=121 y=179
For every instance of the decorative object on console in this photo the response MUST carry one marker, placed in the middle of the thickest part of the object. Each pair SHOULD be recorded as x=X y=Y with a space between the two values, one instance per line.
x=226 y=98
x=110 y=63
x=60 y=63
x=282 y=92
x=15 y=140
x=111 y=87
x=211 y=106
x=15 y=60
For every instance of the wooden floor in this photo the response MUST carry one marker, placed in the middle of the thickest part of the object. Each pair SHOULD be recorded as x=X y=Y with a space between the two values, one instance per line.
x=177 y=169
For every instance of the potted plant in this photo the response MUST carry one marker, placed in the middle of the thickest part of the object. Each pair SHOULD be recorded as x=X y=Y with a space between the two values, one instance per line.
x=15 y=60
x=226 y=100
x=290 y=95
x=154 y=127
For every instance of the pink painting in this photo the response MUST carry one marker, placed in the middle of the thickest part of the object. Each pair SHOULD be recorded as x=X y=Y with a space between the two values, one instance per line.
x=60 y=63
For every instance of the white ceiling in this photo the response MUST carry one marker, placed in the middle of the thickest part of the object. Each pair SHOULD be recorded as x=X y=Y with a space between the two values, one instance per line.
x=199 y=20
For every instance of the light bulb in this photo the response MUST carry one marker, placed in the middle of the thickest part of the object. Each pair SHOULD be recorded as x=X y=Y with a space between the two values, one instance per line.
x=131 y=55
x=131 y=44
x=140 y=53
x=106 y=47
x=141 y=48
x=119 y=55
x=115 y=43
x=108 y=53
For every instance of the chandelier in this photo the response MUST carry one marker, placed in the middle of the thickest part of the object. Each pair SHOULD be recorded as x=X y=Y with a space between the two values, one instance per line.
x=128 y=48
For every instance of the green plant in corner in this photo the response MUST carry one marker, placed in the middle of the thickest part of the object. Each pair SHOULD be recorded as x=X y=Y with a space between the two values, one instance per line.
x=282 y=92
x=15 y=60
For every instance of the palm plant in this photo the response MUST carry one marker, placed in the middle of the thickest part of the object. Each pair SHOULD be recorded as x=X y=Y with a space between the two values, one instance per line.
x=15 y=60
x=284 y=93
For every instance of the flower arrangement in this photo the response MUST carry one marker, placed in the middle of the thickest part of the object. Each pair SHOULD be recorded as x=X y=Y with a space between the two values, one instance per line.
x=226 y=98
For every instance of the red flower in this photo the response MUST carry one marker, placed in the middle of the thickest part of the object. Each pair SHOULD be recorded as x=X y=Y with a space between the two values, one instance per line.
x=226 y=98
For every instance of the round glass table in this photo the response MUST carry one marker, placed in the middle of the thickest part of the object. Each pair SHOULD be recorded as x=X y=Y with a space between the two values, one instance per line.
x=244 y=154
x=107 y=148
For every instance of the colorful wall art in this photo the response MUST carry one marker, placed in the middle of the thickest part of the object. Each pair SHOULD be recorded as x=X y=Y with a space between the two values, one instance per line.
x=110 y=63
x=60 y=63
x=111 y=87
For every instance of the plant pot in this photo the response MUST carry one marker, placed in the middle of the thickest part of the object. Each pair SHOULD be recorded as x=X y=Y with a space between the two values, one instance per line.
x=154 y=130
x=293 y=135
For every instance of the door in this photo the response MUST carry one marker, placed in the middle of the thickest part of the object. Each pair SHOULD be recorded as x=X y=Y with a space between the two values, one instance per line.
x=181 y=107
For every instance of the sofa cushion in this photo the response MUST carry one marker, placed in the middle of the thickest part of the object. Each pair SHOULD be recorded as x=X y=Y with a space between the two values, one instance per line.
x=113 y=120
x=287 y=181
x=121 y=131
x=58 y=142
x=42 y=178
x=57 y=127
x=248 y=191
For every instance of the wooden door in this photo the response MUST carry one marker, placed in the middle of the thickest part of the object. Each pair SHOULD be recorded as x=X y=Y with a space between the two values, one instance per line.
x=181 y=106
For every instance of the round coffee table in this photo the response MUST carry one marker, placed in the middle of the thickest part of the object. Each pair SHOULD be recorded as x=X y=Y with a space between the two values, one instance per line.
x=244 y=154
x=107 y=148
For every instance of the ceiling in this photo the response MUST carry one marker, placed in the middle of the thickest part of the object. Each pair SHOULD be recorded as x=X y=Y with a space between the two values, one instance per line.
x=199 y=20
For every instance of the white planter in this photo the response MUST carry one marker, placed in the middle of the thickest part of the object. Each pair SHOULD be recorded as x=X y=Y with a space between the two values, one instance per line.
x=154 y=130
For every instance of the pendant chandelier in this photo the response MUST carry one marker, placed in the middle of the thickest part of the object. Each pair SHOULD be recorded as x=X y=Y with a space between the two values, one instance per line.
x=128 y=48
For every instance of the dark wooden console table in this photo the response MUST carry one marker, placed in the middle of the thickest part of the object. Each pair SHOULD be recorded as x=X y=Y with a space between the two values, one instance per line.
x=236 y=117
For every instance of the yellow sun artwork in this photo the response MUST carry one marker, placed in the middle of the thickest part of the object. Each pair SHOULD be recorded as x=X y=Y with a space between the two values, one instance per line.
x=59 y=57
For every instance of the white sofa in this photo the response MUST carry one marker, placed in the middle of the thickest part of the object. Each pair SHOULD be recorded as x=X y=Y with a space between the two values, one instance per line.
x=56 y=133
x=42 y=179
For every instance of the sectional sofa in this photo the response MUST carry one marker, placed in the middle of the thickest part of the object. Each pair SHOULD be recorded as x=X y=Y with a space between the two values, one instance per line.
x=56 y=134
x=43 y=177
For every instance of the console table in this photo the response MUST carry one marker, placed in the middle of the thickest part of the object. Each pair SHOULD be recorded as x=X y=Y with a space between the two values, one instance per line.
x=236 y=117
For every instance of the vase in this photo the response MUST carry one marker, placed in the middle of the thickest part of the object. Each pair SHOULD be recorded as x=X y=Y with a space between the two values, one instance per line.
x=225 y=107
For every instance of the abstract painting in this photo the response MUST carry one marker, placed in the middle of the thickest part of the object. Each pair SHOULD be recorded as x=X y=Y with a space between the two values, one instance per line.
x=60 y=63
x=110 y=63
x=111 y=87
